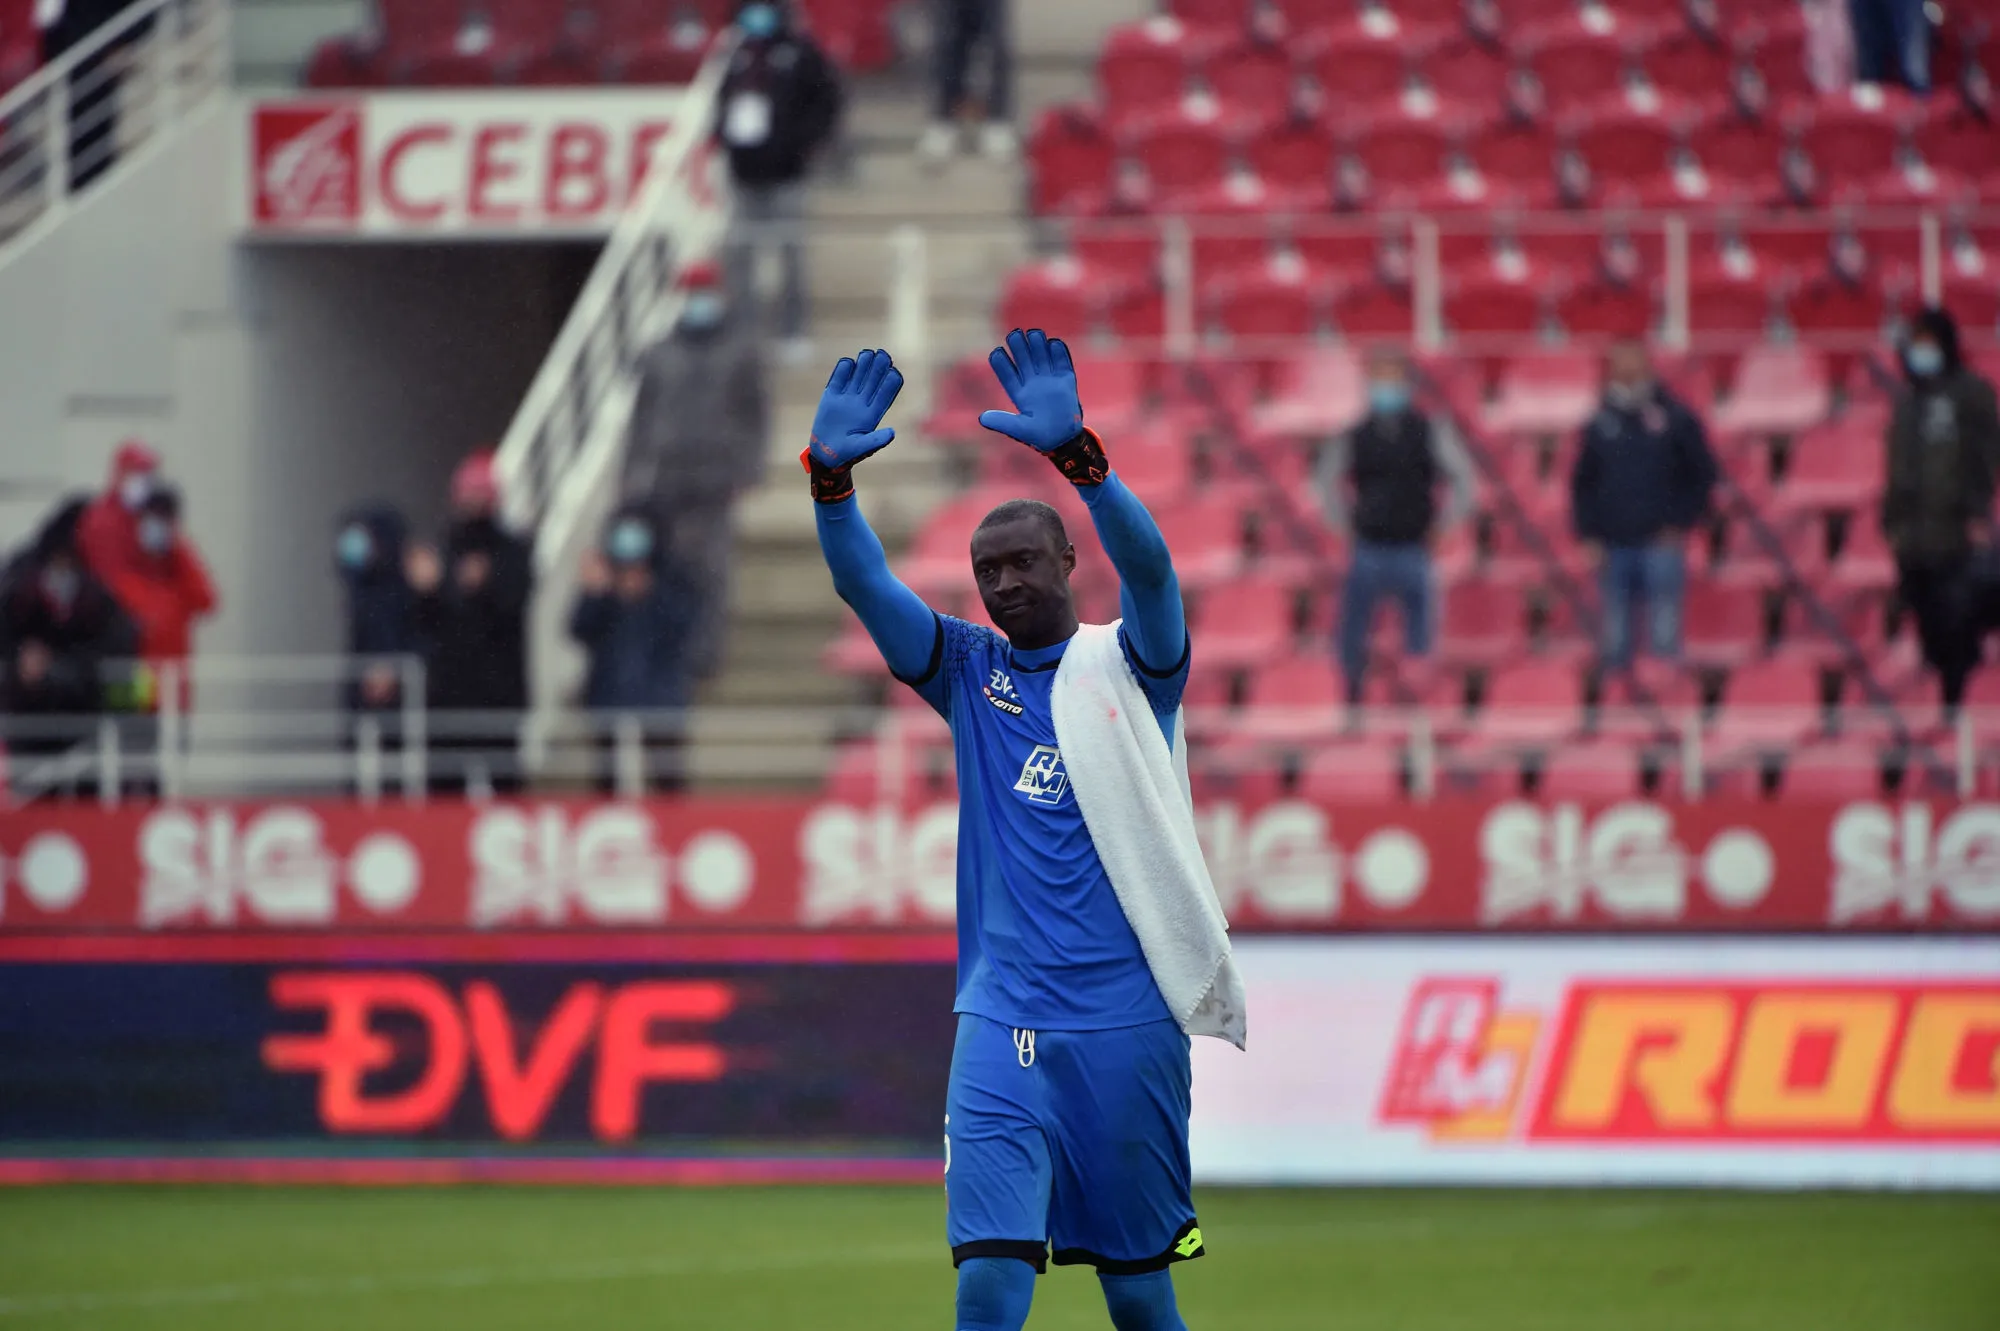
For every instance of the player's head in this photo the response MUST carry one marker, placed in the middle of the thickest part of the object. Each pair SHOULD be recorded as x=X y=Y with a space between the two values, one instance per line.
x=1022 y=559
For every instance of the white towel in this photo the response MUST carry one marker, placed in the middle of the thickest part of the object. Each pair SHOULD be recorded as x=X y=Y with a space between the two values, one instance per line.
x=1133 y=791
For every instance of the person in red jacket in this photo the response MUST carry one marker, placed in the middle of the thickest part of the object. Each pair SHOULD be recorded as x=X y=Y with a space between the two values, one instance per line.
x=107 y=535
x=166 y=588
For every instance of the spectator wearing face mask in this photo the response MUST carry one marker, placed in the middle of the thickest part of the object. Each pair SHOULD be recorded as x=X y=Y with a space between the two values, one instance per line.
x=166 y=588
x=59 y=624
x=107 y=534
x=635 y=624
x=699 y=439
x=780 y=104
x=1380 y=483
x=1642 y=480
x=472 y=615
x=1943 y=452
x=369 y=553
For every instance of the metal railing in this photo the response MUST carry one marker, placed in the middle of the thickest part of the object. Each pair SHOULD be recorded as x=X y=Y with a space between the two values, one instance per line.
x=558 y=461
x=107 y=100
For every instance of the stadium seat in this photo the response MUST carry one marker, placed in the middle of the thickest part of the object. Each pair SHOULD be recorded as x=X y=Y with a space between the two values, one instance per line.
x=1630 y=157
x=1142 y=74
x=1865 y=562
x=1056 y=294
x=1528 y=703
x=1215 y=20
x=1719 y=306
x=1468 y=80
x=1315 y=392
x=1594 y=770
x=1482 y=624
x=1356 y=771
x=1374 y=309
x=1363 y=82
x=1404 y=159
x=1295 y=162
x=1722 y=624
x=1848 y=143
x=1487 y=308
x=1301 y=697
x=1739 y=158
x=1268 y=304
x=1581 y=75
x=1253 y=88
x=1516 y=164
x=1839 y=771
x=1070 y=160
x=1830 y=305
x=1767 y=705
x=1688 y=71
x=1780 y=59
x=1778 y=390
x=1244 y=624
x=1185 y=165
x=1832 y=466
x=1602 y=309
x=1551 y=392
x=1208 y=538
x=1962 y=148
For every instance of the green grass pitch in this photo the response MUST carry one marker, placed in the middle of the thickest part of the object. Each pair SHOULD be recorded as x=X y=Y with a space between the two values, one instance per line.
x=832 y=1259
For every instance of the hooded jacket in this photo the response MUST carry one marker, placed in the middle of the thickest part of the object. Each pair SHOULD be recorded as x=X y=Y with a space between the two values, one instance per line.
x=477 y=641
x=381 y=609
x=640 y=657
x=1943 y=454
x=1642 y=471
x=700 y=425
x=80 y=634
x=107 y=533
x=165 y=593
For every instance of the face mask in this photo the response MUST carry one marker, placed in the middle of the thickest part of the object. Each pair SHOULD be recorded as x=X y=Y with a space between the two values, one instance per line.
x=704 y=310
x=1924 y=359
x=156 y=535
x=60 y=584
x=758 y=20
x=629 y=543
x=1388 y=399
x=135 y=490
x=354 y=548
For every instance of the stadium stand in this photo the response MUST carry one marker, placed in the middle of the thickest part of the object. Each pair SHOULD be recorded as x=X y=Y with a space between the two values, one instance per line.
x=1299 y=157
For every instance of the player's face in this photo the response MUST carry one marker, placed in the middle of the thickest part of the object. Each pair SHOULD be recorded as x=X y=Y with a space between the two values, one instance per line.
x=1024 y=581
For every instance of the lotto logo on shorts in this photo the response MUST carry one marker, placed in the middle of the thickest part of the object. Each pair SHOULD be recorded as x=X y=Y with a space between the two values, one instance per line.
x=1043 y=778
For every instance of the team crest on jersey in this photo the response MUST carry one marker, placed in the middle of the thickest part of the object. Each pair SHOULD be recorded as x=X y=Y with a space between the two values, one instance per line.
x=1044 y=780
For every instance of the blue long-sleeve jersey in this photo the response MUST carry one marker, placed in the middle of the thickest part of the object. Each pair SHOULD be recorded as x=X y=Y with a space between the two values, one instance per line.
x=1042 y=941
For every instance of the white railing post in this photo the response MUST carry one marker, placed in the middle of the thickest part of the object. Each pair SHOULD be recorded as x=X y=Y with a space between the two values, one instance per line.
x=1423 y=758
x=55 y=140
x=368 y=760
x=1177 y=274
x=1931 y=260
x=415 y=741
x=1691 y=755
x=1426 y=285
x=110 y=776
x=171 y=721
x=1966 y=750
x=1676 y=333
x=629 y=757
x=908 y=334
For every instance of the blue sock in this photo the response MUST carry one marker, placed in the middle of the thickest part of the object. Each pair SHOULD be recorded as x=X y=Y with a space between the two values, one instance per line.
x=994 y=1293
x=1142 y=1303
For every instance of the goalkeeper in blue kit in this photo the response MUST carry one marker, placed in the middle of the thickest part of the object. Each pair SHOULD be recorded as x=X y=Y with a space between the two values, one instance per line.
x=1067 y=1112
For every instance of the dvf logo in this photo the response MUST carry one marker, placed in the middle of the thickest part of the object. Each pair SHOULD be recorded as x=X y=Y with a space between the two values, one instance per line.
x=1043 y=778
x=307 y=160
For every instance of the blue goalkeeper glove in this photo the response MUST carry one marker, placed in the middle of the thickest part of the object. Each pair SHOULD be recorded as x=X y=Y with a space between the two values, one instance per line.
x=1040 y=380
x=848 y=426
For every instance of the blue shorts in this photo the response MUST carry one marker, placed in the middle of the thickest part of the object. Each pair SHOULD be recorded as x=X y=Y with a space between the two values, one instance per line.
x=1076 y=1139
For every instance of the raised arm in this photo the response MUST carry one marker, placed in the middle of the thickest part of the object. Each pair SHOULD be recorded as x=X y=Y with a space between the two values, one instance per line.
x=1040 y=379
x=848 y=428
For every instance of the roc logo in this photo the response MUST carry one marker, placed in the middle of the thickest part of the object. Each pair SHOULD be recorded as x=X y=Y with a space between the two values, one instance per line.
x=1043 y=778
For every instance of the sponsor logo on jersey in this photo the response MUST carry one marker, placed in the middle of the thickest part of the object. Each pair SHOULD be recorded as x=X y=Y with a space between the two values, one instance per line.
x=1011 y=708
x=1044 y=780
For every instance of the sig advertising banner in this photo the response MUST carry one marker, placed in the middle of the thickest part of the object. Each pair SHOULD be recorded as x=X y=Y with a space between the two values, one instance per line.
x=819 y=864
x=357 y=1051
x=1771 y=1062
x=449 y=164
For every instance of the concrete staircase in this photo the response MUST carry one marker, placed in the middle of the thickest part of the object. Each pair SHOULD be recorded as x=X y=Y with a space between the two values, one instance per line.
x=784 y=610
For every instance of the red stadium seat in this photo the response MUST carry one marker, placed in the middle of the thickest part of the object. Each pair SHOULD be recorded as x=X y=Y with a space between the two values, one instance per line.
x=1140 y=315
x=1468 y=79
x=1126 y=254
x=1830 y=305
x=1185 y=166
x=1295 y=162
x=1974 y=302
x=1215 y=20
x=1314 y=392
x=1142 y=74
x=1306 y=693
x=1739 y=157
x=1778 y=390
x=1843 y=771
x=1846 y=142
x=1355 y=772
x=1070 y=160
x=1768 y=704
x=1832 y=466
x=1604 y=310
x=1483 y=623
x=1056 y=294
x=1580 y=74
x=1723 y=625
x=1362 y=82
x=1720 y=306
x=1688 y=71
x=1253 y=88
x=1402 y=153
x=1596 y=770
x=1493 y=308
x=1780 y=57
x=1517 y=163
x=1532 y=702
x=1547 y=393
x=1628 y=155
x=1207 y=536
x=1963 y=147
x=1268 y=304
x=1244 y=624
x=1865 y=562
x=1374 y=309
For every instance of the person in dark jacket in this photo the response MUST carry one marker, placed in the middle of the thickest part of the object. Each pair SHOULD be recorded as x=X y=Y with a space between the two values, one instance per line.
x=1381 y=481
x=1642 y=481
x=369 y=552
x=700 y=437
x=1943 y=452
x=780 y=103
x=472 y=613
x=59 y=625
x=94 y=86
x=635 y=621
